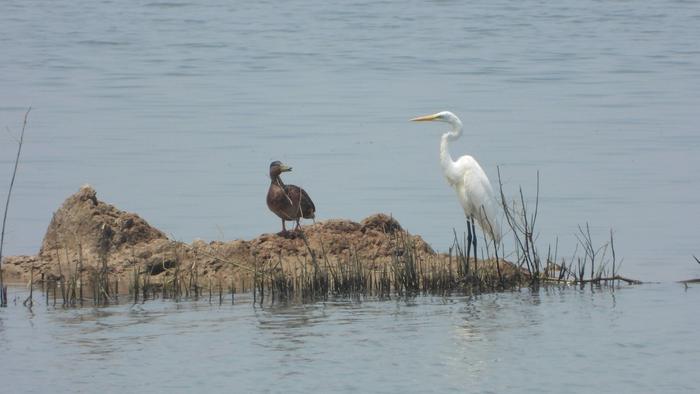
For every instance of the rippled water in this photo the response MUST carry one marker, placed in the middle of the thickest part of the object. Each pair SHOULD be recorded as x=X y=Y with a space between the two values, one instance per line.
x=550 y=341
x=174 y=110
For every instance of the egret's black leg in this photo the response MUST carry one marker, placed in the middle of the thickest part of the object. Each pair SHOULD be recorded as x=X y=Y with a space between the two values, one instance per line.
x=284 y=228
x=474 y=237
x=469 y=239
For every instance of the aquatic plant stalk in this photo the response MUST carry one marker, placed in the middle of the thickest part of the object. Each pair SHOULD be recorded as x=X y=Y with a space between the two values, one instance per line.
x=3 y=298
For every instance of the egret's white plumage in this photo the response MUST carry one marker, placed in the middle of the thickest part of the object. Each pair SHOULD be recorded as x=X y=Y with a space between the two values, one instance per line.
x=468 y=179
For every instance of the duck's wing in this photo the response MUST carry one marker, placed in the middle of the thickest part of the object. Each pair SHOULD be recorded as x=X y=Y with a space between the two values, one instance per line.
x=307 y=206
x=300 y=198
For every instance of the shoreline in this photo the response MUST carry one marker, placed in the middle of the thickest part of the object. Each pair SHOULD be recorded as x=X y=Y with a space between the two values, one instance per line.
x=89 y=240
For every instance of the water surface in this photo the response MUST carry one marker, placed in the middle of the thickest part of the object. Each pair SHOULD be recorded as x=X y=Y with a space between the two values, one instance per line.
x=638 y=339
x=174 y=110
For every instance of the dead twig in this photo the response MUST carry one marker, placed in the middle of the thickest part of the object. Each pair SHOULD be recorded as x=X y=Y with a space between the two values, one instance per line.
x=594 y=280
x=223 y=260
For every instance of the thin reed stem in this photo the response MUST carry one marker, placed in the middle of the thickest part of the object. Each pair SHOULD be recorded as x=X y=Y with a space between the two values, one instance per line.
x=20 y=142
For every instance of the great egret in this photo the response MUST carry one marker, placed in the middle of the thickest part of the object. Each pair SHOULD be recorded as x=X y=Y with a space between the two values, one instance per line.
x=469 y=181
x=289 y=202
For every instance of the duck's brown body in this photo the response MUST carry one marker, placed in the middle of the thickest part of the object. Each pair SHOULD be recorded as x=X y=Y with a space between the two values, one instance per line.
x=289 y=202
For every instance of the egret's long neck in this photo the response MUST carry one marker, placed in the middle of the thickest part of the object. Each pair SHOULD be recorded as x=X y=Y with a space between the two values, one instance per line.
x=448 y=165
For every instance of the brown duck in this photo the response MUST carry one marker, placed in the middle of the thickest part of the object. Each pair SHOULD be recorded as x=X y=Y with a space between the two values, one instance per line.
x=289 y=202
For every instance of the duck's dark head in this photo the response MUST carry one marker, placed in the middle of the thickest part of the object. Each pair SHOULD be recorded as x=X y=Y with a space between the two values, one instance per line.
x=276 y=168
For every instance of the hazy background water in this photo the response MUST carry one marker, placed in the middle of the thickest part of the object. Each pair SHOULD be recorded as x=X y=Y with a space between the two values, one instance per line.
x=174 y=110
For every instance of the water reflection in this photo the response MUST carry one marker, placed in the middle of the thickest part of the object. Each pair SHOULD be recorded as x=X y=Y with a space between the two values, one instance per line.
x=461 y=344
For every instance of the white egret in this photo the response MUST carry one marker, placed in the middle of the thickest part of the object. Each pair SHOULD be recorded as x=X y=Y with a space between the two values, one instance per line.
x=469 y=181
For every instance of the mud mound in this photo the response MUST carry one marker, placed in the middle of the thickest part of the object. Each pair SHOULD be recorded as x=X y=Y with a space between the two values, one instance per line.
x=377 y=237
x=96 y=228
x=381 y=222
x=85 y=232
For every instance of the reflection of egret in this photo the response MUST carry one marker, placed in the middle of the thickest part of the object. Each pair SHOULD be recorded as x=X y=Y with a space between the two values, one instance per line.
x=289 y=202
x=469 y=180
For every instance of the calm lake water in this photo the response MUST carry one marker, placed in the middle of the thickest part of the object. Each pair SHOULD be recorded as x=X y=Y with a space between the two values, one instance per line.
x=174 y=110
x=640 y=339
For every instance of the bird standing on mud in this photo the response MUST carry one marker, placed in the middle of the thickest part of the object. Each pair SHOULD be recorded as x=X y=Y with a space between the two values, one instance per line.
x=289 y=202
x=469 y=181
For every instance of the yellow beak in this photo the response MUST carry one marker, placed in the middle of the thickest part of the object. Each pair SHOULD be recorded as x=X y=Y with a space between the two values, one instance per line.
x=285 y=168
x=425 y=118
